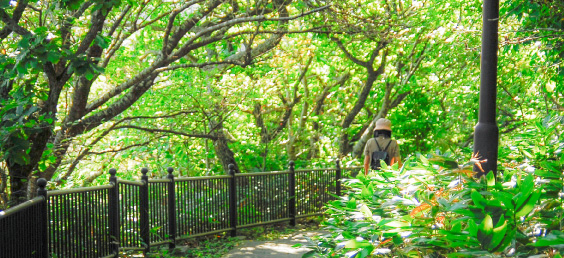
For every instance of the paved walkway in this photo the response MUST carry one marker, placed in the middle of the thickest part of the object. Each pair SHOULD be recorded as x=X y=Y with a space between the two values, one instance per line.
x=281 y=248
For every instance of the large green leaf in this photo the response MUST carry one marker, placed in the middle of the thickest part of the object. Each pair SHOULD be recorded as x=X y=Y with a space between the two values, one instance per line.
x=528 y=205
x=485 y=231
x=498 y=236
x=478 y=199
x=525 y=189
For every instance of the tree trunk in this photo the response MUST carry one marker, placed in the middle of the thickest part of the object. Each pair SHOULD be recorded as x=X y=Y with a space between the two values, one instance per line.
x=222 y=150
x=21 y=174
x=345 y=146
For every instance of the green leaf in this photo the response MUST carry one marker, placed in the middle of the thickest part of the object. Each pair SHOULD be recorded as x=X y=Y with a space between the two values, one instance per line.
x=311 y=253
x=528 y=206
x=53 y=57
x=365 y=211
x=365 y=252
x=490 y=179
x=101 y=41
x=456 y=227
x=525 y=190
x=478 y=199
x=353 y=243
x=498 y=236
x=351 y=204
x=4 y=4
x=505 y=198
x=487 y=225
x=367 y=192
x=397 y=224
x=485 y=231
x=89 y=75
x=424 y=160
x=555 y=237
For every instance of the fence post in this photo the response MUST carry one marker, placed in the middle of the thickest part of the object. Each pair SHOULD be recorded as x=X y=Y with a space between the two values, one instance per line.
x=232 y=200
x=171 y=209
x=144 y=210
x=338 y=177
x=113 y=212
x=43 y=218
x=292 y=200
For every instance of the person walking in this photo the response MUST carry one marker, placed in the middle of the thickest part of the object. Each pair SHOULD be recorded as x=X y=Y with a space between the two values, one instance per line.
x=381 y=147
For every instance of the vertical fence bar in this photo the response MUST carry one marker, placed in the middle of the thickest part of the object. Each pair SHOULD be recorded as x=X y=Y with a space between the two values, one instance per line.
x=338 y=177
x=144 y=210
x=292 y=200
x=113 y=212
x=232 y=200
x=43 y=218
x=171 y=209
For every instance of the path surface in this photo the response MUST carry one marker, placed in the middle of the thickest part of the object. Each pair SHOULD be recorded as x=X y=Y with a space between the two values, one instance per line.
x=281 y=248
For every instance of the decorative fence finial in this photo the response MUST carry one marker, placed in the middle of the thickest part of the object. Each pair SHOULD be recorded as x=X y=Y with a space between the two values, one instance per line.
x=113 y=171
x=170 y=170
x=41 y=183
x=231 y=169
x=144 y=176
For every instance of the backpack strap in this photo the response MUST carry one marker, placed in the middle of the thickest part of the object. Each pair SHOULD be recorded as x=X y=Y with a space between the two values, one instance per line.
x=386 y=149
x=379 y=148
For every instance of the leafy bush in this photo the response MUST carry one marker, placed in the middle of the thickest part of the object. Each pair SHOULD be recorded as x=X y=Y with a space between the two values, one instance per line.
x=435 y=208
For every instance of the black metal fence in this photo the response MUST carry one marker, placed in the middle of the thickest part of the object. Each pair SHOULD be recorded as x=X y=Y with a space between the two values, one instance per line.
x=23 y=230
x=129 y=215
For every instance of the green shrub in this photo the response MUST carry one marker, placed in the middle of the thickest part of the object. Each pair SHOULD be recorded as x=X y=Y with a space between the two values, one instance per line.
x=435 y=208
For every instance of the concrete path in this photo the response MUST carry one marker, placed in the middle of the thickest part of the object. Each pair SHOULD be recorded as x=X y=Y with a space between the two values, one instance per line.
x=281 y=248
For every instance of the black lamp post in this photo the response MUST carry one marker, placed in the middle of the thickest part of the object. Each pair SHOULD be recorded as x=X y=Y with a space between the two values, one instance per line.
x=486 y=133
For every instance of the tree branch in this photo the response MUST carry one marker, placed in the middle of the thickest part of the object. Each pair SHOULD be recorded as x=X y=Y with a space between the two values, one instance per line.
x=261 y=18
x=348 y=54
x=12 y=24
x=171 y=23
x=119 y=20
x=156 y=130
x=16 y=16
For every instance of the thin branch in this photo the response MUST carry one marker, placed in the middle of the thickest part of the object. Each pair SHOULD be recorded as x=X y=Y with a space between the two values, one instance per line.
x=145 y=143
x=197 y=65
x=156 y=117
x=156 y=130
x=119 y=20
x=527 y=39
x=375 y=52
x=261 y=18
x=171 y=22
x=348 y=54
x=414 y=68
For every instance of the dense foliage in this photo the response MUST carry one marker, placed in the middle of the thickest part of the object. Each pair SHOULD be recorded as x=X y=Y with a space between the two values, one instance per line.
x=89 y=85
x=434 y=207
x=86 y=85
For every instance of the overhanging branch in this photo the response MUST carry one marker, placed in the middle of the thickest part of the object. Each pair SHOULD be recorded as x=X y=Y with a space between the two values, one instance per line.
x=157 y=130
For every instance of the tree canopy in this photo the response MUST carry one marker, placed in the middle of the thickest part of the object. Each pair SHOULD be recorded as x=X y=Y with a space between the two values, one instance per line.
x=199 y=85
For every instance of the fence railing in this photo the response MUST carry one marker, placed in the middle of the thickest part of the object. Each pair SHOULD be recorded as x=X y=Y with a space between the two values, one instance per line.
x=130 y=215
x=23 y=230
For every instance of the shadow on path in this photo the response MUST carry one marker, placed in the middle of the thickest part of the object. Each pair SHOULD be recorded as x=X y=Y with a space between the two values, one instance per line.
x=281 y=248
